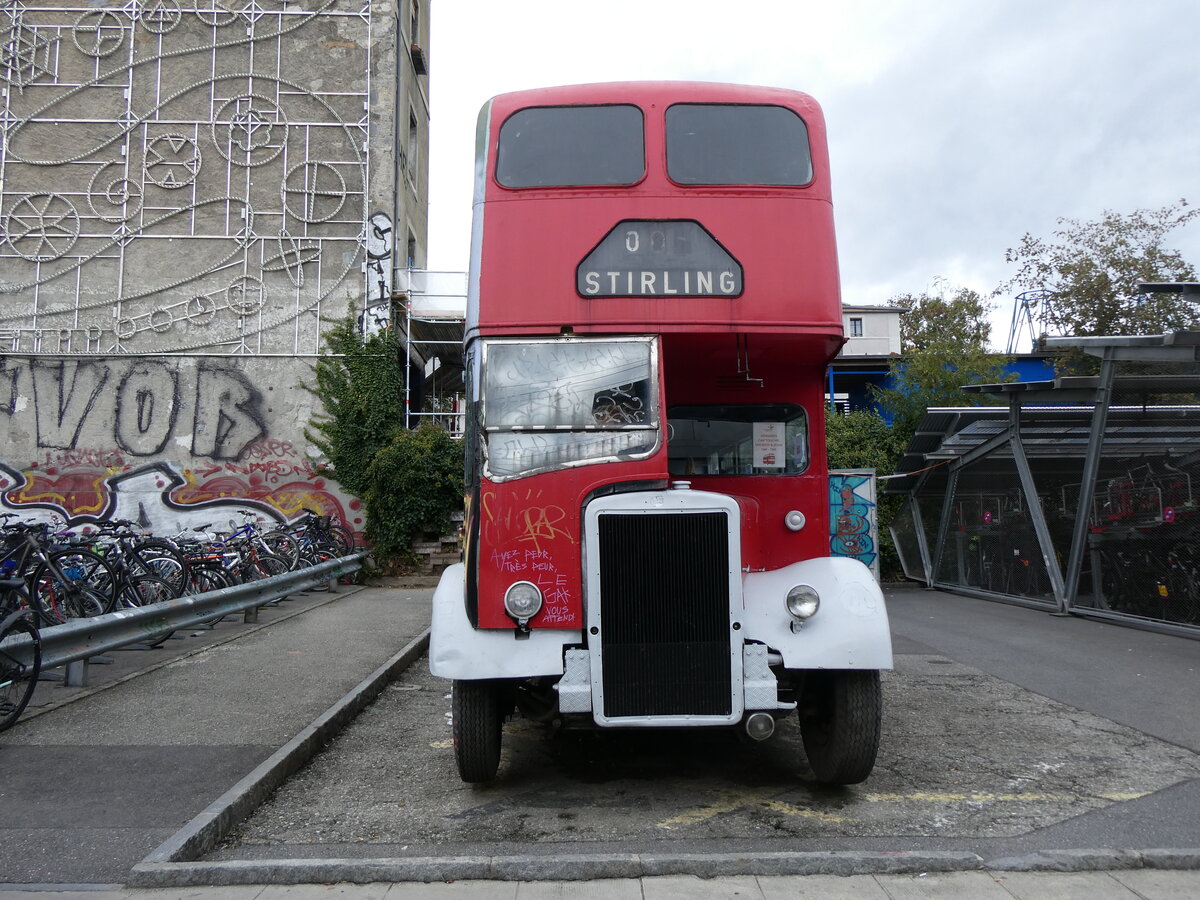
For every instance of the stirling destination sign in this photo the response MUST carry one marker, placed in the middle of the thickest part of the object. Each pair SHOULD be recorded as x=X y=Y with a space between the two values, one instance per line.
x=659 y=259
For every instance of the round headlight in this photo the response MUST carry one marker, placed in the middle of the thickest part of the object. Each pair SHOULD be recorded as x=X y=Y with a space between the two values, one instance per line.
x=803 y=602
x=523 y=601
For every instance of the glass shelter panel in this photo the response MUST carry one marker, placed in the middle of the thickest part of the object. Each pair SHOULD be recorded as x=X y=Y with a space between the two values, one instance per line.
x=1142 y=557
x=991 y=544
x=908 y=547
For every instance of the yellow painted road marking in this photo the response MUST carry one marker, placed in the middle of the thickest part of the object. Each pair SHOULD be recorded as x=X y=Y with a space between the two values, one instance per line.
x=728 y=801
x=731 y=801
x=988 y=797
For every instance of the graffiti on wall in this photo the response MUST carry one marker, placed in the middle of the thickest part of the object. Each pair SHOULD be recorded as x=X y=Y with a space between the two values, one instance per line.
x=273 y=483
x=101 y=435
x=853 y=517
x=137 y=404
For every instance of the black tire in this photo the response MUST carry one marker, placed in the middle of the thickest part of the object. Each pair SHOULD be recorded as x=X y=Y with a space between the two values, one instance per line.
x=142 y=590
x=841 y=720
x=87 y=587
x=162 y=559
x=283 y=545
x=203 y=579
x=261 y=565
x=478 y=720
x=342 y=539
x=17 y=679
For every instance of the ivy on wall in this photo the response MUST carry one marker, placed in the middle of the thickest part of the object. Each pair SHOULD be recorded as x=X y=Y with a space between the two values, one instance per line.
x=414 y=484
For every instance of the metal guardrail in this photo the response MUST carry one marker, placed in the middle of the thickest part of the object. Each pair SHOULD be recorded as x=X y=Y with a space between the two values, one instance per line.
x=81 y=639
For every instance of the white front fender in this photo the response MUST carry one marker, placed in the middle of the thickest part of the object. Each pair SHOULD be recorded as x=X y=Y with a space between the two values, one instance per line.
x=850 y=631
x=459 y=651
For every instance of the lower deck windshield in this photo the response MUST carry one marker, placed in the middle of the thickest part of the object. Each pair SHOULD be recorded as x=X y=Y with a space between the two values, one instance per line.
x=550 y=404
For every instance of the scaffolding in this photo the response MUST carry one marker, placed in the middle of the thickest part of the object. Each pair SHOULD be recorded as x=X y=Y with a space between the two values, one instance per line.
x=435 y=308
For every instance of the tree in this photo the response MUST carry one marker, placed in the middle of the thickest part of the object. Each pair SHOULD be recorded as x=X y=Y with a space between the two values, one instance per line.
x=860 y=439
x=361 y=385
x=944 y=345
x=932 y=323
x=1093 y=269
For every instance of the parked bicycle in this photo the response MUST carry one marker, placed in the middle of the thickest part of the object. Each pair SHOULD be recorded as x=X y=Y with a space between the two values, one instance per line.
x=18 y=675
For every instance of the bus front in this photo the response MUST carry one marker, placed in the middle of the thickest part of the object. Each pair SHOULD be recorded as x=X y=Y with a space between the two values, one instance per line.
x=653 y=302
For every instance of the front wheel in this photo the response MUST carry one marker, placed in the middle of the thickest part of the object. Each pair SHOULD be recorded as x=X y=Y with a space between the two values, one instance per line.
x=478 y=720
x=72 y=584
x=841 y=715
x=18 y=676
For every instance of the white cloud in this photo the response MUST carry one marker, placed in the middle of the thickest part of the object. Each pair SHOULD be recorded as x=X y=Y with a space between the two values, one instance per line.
x=955 y=127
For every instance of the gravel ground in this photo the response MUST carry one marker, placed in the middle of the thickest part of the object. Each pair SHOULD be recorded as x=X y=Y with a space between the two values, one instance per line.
x=964 y=755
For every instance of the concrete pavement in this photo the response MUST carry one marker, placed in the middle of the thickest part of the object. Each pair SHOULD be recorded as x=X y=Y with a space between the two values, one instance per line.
x=1138 y=884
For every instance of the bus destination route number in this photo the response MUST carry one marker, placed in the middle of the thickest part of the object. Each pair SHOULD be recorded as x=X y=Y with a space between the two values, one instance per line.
x=659 y=259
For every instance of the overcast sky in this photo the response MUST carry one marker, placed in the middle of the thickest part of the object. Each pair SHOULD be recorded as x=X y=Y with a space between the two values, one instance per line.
x=956 y=126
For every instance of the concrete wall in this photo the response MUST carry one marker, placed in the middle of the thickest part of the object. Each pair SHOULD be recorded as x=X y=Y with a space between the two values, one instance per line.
x=188 y=193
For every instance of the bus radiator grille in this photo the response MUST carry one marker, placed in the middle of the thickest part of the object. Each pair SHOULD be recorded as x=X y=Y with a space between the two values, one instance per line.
x=664 y=602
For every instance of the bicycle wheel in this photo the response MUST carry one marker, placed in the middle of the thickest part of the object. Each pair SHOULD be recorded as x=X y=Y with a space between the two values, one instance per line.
x=203 y=579
x=72 y=584
x=342 y=539
x=162 y=559
x=142 y=590
x=283 y=545
x=18 y=675
x=261 y=565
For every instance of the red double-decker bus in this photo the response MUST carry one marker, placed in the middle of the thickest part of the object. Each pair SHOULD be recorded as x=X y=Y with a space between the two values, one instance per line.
x=653 y=301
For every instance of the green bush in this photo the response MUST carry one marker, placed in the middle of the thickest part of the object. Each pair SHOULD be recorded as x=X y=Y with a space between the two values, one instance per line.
x=409 y=481
x=361 y=386
x=414 y=484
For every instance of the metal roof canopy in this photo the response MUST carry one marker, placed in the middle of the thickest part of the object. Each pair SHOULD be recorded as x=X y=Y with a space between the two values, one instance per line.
x=1059 y=436
x=1054 y=435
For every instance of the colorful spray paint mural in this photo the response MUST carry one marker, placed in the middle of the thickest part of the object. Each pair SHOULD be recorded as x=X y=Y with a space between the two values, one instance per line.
x=169 y=444
x=84 y=487
x=853 y=517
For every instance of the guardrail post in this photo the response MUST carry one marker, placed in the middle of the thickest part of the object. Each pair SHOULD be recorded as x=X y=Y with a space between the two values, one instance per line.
x=77 y=673
x=250 y=615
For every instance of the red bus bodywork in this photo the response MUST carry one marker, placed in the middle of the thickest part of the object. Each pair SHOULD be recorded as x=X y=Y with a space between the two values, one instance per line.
x=783 y=329
x=647 y=527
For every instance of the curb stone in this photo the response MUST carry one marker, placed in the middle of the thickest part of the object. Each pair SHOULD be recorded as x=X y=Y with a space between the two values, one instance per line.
x=208 y=828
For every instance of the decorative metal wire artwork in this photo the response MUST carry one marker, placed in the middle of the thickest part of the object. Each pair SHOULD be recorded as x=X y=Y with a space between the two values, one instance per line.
x=181 y=176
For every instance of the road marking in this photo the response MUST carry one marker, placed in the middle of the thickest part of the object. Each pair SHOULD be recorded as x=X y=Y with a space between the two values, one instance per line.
x=988 y=797
x=729 y=801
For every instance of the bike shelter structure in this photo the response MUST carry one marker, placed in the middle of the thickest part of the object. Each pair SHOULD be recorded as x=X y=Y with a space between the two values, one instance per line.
x=1079 y=497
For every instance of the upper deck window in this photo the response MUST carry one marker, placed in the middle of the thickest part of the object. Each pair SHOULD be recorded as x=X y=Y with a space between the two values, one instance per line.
x=563 y=146
x=734 y=144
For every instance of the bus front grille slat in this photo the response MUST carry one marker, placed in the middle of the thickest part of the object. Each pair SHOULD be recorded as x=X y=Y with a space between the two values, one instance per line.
x=664 y=596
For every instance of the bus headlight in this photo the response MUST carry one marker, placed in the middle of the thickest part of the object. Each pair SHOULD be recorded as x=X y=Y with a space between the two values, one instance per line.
x=523 y=601
x=803 y=602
